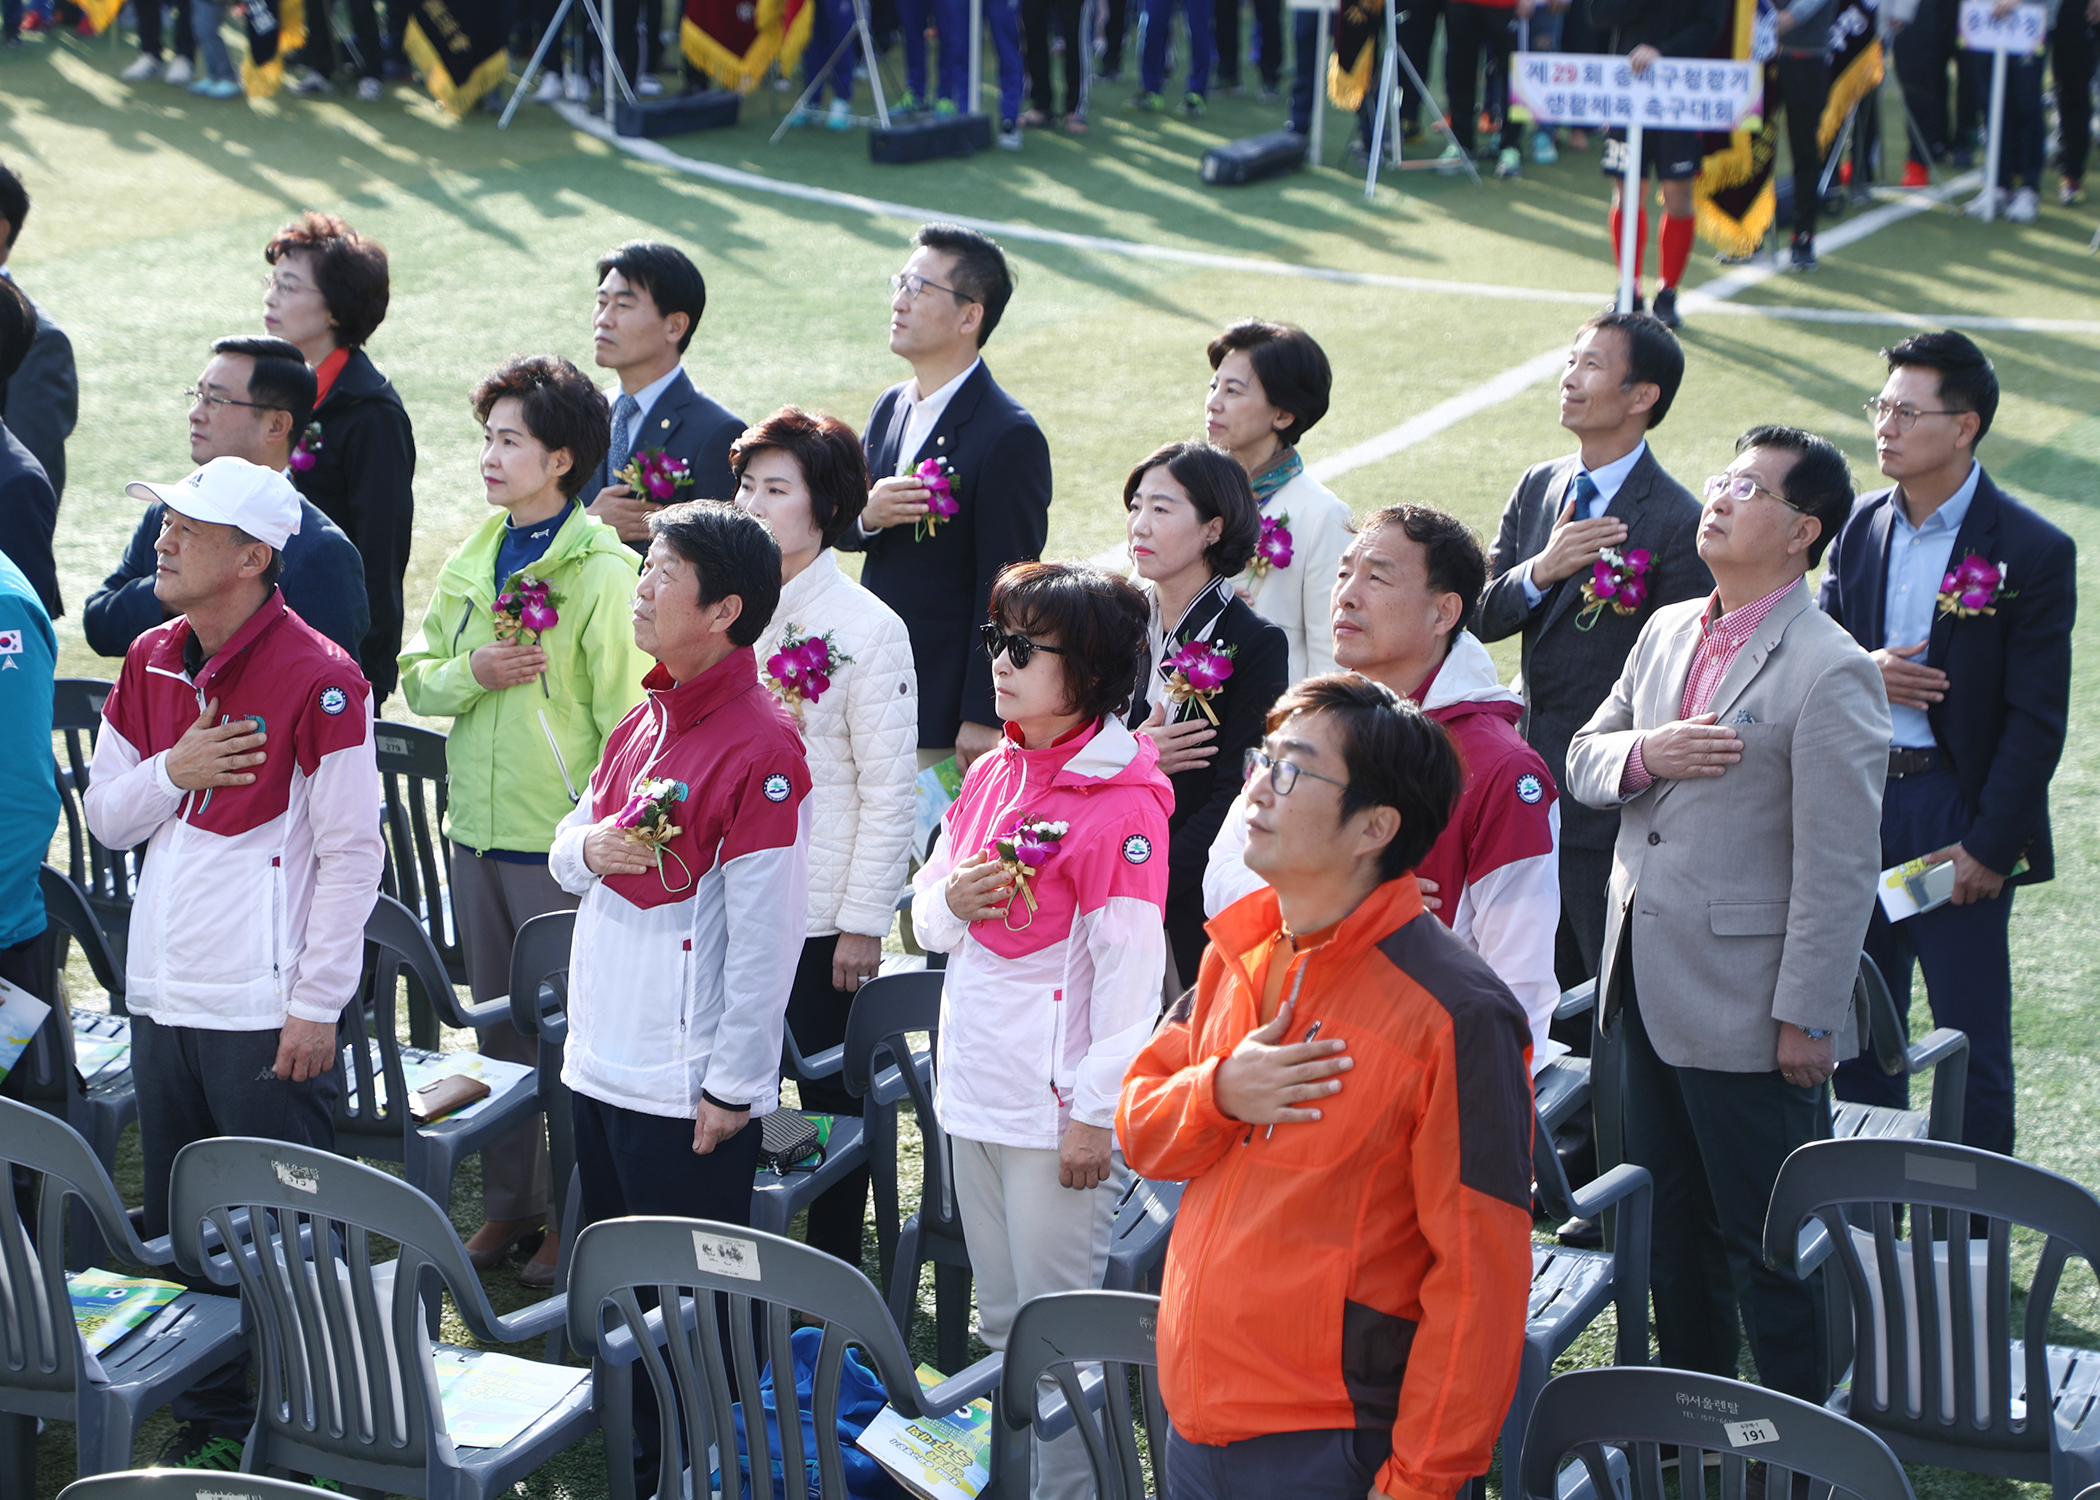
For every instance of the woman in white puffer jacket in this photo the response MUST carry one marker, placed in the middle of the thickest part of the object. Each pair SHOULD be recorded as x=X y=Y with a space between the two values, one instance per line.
x=841 y=661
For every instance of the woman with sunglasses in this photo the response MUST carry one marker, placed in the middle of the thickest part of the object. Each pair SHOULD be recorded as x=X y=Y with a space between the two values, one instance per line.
x=1046 y=893
x=1215 y=666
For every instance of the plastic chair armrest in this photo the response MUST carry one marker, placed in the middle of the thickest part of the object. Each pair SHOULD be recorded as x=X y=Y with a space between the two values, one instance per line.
x=826 y=1064
x=980 y=1379
x=1053 y=1418
x=1937 y=1047
x=525 y=1017
x=1812 y=1246
x=1615 y=1186
x=889 y=1087
x=487 y=1013
x=1578 y=1001
x=531 y=1322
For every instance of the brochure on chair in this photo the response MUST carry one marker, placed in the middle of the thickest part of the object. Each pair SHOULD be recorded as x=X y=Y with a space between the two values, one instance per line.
x=107 y=1306
x=420 y=1068
x=20 y=1015
x=490 y=1399
x=936 y=1458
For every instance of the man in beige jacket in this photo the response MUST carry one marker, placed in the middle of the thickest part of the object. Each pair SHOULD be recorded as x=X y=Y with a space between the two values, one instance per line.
x=1746 y=746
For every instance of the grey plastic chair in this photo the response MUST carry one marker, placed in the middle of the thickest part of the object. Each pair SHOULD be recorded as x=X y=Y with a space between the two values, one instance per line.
x=109 y=876
x=344 y=1391
x=776 y=1197
x=186 y=1484
x=885 y=1015
x=1589 y=1413
x=1945 y=1052
x=413 y=776
x=43 y=1362
x=1053 y=1336
x=764 y=1278
x=539 y=1007
x=396 y=949
x=1139 y=1236
x=1941 y=1377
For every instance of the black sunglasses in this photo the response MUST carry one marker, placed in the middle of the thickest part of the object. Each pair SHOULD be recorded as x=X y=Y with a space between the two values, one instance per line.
x=1016 y=648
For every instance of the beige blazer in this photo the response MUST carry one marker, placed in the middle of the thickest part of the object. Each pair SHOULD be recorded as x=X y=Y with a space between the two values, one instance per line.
x=1748 y=893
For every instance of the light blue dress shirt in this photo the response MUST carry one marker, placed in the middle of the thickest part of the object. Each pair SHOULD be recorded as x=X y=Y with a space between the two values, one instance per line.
x=1608 y=480
x=1918 y=559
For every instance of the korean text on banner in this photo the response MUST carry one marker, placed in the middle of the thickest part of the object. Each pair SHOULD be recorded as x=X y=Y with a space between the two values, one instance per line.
x=2022 y=31
x=1572 y=88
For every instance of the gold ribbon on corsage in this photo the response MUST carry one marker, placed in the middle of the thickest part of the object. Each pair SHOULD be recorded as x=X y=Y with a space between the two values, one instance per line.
x=1021 y=855
x=1196 y=672
x=646 y=820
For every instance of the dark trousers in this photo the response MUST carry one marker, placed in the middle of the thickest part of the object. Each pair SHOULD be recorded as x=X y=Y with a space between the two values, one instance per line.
x=2071 y=60
x=831 y=22
x=636 y=41
x=816 y=1015
x=1923 y=50
x=1159 y=22
x=149 y=24
x=1417 y=33
x=1036 y=18
x=320 y=50
x=1804 y=85
x=1469 y=32
x=1268 y=25
x=1967 y=962
x=1309 y=91
x=27 y=966
x=195 y=1084
x=1713 y=1142
x=1336 y=1463
x=1115 y=27
x=1585 y=894
x=2025 y=146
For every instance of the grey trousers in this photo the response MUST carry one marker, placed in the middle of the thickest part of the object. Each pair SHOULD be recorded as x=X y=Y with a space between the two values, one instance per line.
x=491 y=900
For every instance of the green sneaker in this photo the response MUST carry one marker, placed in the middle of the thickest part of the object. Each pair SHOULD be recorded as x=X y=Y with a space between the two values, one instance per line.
x=1510 y=163
x=1151 y=104
x=1452 y=160
x=944 y=107
x=907 y=103
x=1192 y=106
x=196 y=1446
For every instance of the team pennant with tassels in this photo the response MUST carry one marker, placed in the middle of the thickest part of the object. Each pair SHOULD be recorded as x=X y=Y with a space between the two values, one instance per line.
x=275 y=27
x=1356 y=25
x=460 y=47
x=735 y=41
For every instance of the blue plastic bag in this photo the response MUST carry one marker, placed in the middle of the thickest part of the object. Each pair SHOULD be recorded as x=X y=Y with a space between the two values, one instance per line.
x=861 y=1397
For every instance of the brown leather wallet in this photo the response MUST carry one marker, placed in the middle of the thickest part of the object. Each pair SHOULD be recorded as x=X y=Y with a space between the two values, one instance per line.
x=433 y=1101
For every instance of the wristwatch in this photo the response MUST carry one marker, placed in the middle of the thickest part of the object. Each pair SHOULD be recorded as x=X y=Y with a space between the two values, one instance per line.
x=1815 y=1033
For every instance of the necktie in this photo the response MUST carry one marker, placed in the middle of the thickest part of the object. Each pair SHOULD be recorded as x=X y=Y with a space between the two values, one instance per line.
x=625 y=410
x=1585 y=487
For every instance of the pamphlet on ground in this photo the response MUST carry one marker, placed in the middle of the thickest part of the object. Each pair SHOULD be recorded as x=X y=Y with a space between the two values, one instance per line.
x=108 y=1306
x=947 y=1457
x=1915 y=886
x=419 y=1067
x=489 y=1398
x=20 y=1015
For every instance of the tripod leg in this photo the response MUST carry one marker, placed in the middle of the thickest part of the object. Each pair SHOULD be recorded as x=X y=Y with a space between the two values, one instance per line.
x=532 y=68
x=1465 y=157
x=816 y=81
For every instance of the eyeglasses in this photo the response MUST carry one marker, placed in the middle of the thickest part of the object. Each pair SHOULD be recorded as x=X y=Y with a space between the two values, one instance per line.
x=1015 y=648
x=1741 y=487
x=1283 y=774
x=911 y=284
x=276 y=282
x=1905 y=417
x=198 y=396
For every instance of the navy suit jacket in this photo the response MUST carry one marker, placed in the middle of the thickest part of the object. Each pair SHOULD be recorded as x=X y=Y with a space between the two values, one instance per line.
x=28 y=519
x=689 y=425
x=2008 y=695
x=940 y=586
x=42 y=402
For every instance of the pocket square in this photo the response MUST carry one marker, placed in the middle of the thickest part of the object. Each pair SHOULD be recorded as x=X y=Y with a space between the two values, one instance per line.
x=1743 y=716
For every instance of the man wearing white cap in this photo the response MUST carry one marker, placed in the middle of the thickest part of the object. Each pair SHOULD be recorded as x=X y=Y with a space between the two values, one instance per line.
x=237 y=746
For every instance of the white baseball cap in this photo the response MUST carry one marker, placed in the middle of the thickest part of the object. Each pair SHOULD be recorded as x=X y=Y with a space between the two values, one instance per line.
x=231 y=492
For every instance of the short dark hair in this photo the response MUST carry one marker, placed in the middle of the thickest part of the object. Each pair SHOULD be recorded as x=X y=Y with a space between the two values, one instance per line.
x=1452 y=554
x=562 y=409
x=1217 y=486
x=1653 y=355
x=1099 y=618
x=14 y=202
x=732 y=552
x=350 y=272
x=981 y=273
x=667 y=274
x=280 y=380
x=1819 y=484
x=832 y=462
x=274 y=569
x=1290 y=365
x=17 y=328
x=1967 y=381
x=1396 y=755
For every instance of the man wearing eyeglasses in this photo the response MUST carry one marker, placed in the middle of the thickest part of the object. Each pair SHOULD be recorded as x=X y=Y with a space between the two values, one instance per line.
x=1966 y=599
x=932 y=552
x=253 y=401
x=1743 y=747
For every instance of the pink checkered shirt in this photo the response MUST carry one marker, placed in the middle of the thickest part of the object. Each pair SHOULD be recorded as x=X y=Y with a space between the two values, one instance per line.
x=1721 y=638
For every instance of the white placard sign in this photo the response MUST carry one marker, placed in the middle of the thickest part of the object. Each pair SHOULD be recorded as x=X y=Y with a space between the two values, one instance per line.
x=1573 y=88
x=2022 y=31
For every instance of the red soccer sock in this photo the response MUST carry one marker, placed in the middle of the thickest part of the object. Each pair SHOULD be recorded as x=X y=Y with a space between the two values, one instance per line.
x=1674 y=247
x=1617 y=224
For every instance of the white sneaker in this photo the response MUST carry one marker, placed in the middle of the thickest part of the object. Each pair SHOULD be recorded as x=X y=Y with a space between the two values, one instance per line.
x=179 y=72
x=549 y=89
x=648 y=86
x=146 y=67
x=307 y=82
x=370 y=90
x=577 y=87
x=2025 y=207
x=1010 y=137
x=1986 y=203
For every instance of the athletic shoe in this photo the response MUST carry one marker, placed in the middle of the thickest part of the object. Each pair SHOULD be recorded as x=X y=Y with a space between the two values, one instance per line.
x=216 y=88
x=1510 y=163
x=1009 y=135
x=1151 y=104
x=1543 y=151
x=839 y=116
x=577 y=86
x=1453 y=158
x=1075 y=124
x=1033 y=119
x=2025 y=207
x=1845 y=172
x=907 y=104
x=1665 y=307
x=179 y=71
x=944 y=106
x=34 y=22
x=1192 y=106
x=1268 y=95
x=1986 y=203
x=548 y=92
x=1640 y=304
x=797 y=118
x=143 y=69
x=2067 y=191
x=1802 y=257
x=1915 y=175
x=648 y=86
x=309 y=83
x=196 y=1446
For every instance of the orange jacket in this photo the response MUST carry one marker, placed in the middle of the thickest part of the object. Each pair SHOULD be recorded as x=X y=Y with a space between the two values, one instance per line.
x=1372 y=1267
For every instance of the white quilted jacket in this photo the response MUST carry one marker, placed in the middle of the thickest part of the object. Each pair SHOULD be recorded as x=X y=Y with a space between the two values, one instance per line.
x=862 y=734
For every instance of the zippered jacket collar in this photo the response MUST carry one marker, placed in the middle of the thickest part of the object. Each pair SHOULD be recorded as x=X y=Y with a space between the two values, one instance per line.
x=681 y=705
x=1242 y=930
x=470 y=571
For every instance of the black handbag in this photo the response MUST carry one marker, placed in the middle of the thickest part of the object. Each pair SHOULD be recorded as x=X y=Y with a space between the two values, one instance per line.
x=790 y=1142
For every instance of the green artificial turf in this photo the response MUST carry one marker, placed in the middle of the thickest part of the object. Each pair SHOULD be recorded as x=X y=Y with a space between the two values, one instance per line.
x=152 y=208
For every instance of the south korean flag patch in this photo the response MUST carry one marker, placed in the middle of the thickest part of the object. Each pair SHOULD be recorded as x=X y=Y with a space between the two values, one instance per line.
x=1137 y=849
x=10 y=648
x=1529 y=788
x=776 y=787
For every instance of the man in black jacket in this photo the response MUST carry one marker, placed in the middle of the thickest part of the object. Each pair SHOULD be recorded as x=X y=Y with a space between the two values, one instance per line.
x=41 y=400
x=28 y=506
x=936 y=570
x=253 y=399
x=1965 y=598
x=650 y=298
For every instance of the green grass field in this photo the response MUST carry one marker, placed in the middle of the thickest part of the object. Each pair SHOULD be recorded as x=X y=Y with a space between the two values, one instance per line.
x=152 y=208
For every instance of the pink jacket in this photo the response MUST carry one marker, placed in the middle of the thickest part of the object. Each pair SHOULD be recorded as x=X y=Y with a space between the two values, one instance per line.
x=1043 y=1010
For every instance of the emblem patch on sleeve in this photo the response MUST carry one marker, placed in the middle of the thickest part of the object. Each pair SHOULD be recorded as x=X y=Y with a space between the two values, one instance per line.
x=777 y=787
x=334 y=700
x=1529 y=788
x=1137 y=848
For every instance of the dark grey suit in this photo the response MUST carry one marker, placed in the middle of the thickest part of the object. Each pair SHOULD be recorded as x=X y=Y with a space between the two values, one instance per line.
x=1568 y=671
x=42 y=402
x=689 y=425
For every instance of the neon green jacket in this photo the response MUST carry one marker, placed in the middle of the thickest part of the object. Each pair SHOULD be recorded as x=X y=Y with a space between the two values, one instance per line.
x=507 y=789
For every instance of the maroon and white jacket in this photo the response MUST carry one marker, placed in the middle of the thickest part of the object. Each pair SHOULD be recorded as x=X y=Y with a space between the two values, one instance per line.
x=679 y=977
x=252 y=901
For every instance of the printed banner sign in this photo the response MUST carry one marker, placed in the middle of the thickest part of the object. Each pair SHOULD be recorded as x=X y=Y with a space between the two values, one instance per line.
x=1572 y=88
x=2022 y=31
